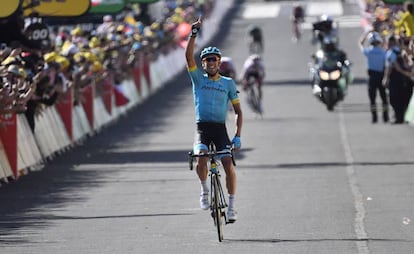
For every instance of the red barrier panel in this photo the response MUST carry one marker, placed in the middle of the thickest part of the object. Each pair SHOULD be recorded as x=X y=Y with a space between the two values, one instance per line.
x=120 y=98
x=65 y=108
x=136 y=74
x=88 y=94
x=8 y=135
x=146 y=70
x=108 y=91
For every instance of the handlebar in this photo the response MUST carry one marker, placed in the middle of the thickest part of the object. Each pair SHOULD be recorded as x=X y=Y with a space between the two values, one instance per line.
x=211 y=155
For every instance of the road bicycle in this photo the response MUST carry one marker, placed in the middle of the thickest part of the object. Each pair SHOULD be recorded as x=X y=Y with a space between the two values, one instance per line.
x=253 y=98
x=298 y=18
x=297 y=29
x=218 y=203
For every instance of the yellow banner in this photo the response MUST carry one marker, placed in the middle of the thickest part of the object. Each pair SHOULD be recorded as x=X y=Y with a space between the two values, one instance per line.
x=58 y=8
x=8 y=8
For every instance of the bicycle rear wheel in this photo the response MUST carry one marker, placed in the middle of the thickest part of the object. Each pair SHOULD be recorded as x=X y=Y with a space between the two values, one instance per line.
x=217 y=212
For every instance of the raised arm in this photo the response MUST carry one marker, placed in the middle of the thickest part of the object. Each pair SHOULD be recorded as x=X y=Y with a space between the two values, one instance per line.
x=189 y=50
x=362 y=40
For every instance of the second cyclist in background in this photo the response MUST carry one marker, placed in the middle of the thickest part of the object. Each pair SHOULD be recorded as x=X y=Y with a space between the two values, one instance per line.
x=255 y=40
x=253 y=67
x=298 y=17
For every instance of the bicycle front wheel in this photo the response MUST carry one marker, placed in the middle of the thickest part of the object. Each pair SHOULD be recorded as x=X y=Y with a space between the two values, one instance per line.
x=254 y=100
x=217 y=212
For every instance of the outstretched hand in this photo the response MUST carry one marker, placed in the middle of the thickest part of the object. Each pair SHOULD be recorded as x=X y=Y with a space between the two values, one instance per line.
x=197 y=24
x=195 y=27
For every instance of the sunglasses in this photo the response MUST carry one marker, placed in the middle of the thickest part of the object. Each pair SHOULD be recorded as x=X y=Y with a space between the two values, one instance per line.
x=211 y=59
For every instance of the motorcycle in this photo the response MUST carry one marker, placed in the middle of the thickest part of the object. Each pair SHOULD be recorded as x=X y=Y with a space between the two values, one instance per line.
x=330 y=79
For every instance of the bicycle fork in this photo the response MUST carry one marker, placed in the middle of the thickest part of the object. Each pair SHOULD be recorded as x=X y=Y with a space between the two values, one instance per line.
x=221 y=196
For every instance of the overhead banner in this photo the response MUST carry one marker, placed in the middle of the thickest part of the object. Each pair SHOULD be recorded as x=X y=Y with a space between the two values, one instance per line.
x=8 y=8
x=107 y=6
x=143 y=1
x=394 y=1
x=58 y=8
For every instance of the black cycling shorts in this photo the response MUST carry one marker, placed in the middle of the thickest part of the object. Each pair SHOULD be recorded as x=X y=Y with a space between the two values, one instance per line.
x=207 y=133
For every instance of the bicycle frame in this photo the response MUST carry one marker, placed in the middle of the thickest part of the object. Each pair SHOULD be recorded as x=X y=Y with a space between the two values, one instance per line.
x=218 y=201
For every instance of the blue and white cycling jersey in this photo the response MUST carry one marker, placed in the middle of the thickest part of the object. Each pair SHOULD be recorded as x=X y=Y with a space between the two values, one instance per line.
x=211 y=97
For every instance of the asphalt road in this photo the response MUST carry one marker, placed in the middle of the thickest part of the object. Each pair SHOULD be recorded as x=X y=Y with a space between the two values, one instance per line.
x=309 y=180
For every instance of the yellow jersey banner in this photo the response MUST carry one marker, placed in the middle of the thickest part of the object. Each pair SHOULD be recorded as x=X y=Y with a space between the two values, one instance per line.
x=58 y=8
x=8 y=8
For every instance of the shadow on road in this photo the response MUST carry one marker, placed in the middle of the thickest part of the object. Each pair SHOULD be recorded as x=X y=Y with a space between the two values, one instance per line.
x=56 y=184
x=314 y=240
x=305 y=82
x=319 y=165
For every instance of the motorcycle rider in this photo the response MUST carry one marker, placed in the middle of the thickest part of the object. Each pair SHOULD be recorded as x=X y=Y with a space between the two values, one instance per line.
x=253 y=66
x=375 y=55
x=330 y=53
x=326 y=26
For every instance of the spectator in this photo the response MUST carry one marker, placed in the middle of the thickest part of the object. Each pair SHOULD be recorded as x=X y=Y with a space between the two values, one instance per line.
x=77 y=59
x=406 y=22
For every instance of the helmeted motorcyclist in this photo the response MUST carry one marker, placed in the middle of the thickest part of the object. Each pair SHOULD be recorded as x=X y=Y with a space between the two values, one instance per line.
x=330 y=54
x=331 y=50
x=326 y=26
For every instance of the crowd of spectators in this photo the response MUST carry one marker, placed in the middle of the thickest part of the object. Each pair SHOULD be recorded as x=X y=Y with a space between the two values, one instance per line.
x=35 y=75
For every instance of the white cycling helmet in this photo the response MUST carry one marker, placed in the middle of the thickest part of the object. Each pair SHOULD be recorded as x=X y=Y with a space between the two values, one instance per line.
x=325 y=18
x=374 y=37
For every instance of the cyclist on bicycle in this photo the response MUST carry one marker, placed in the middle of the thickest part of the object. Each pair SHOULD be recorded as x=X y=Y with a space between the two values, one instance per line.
x=255 y=39
x=212 y=92
x=298 y=17
x=253 y=67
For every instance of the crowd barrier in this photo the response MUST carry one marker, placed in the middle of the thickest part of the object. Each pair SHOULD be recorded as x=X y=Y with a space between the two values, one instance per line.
x=65 y=125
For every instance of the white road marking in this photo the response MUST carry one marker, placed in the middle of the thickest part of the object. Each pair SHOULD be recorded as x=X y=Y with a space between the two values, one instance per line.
x=360 y=212
x=261 y=10
x=319 y=8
